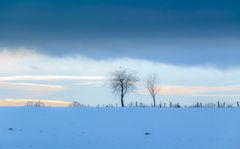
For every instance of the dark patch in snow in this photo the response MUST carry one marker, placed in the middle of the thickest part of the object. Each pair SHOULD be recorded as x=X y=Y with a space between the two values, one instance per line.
x=14 y=129
x=147 y=133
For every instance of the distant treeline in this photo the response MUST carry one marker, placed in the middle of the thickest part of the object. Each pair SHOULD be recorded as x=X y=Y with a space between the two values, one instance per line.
x=178 y=105
x=141 y=104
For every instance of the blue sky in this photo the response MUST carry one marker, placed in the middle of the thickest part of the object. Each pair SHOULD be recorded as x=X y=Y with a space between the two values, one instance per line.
x=190 y=44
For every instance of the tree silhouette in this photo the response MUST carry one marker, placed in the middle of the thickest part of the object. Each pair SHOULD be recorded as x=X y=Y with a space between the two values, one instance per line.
x=122 y=82
x=152 y=86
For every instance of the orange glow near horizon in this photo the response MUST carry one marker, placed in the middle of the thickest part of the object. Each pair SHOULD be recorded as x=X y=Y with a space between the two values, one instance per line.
x=23 y=102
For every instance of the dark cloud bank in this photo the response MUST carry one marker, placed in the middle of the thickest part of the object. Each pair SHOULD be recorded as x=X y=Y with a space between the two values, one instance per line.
x=177 y=32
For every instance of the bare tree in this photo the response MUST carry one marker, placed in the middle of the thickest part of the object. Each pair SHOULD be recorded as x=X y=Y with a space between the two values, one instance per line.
x=35 y=104
x=122 y=82
x=152 y=86
x=75 y=104
x=39 y=104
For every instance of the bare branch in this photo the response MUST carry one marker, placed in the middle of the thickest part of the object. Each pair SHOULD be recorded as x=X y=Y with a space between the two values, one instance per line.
x=122 y=82
x=151 y=84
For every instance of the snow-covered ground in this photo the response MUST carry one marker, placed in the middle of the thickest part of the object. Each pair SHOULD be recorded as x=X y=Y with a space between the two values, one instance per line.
x=119 y=128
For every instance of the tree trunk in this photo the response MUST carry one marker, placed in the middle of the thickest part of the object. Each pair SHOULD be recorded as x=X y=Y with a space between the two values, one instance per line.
x=154 y=101
x=122 y=102
x=122 y=94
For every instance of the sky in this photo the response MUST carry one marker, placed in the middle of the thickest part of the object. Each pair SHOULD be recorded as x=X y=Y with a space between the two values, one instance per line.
x=65 y=49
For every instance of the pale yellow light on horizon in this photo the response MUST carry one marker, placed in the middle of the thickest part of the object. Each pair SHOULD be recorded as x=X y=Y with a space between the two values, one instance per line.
x=23 y=102
x=193 y=90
